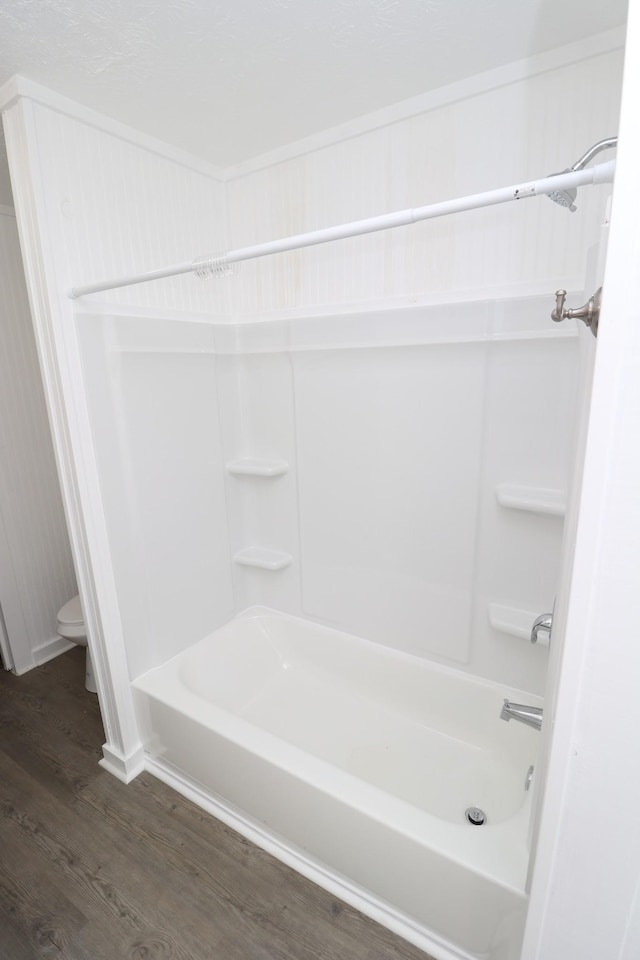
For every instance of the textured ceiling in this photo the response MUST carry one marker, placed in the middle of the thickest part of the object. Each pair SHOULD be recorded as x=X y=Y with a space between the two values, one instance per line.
x=230 y=79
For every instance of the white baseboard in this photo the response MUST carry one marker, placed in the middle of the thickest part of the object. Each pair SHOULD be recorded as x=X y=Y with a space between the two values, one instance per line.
x=48 y=651
x=319 y=873
x=125 y=769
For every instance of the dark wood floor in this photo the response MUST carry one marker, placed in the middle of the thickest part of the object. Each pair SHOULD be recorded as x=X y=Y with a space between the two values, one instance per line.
x=91 y=869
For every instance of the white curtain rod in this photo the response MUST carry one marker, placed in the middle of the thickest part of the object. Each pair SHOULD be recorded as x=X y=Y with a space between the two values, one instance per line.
x=219 y=265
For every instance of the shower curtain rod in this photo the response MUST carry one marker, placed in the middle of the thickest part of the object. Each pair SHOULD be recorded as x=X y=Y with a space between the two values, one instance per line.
x=220 y=265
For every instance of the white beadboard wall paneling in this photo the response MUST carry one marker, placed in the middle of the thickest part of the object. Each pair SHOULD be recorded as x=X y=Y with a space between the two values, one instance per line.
x=118 y=208
x=517 y=71
x=19 y=86
x=44 y=249
x=36 y=540
x=89 y=197
x=525 y=128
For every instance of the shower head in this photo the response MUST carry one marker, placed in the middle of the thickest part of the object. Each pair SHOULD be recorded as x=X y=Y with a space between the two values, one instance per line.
x=566 y=198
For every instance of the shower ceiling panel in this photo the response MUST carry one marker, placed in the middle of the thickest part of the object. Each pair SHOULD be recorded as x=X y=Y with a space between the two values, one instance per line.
x=228 y=81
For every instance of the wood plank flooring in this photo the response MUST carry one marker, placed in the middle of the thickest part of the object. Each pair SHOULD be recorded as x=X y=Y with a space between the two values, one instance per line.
x=91 y=869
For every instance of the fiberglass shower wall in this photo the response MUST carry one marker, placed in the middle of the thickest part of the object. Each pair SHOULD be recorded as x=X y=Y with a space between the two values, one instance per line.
x=432 y=445
x=411 y=444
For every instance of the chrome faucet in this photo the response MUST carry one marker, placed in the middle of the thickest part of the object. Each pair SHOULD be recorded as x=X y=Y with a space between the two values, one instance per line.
x=532 y=716
x=544 y=622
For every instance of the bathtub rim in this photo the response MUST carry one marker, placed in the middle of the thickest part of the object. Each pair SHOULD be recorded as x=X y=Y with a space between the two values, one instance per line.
x=446 y=669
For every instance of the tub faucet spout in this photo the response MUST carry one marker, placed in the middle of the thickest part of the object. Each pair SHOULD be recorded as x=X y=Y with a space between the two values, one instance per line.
x=532 y=716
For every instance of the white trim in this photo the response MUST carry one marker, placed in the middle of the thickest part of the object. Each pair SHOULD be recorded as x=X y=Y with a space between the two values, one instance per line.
x=594 y=46
x=50 y=649
x=319 y=873
x=17 y=635
x=584 y=893
x=21 y=87
x=61 y=370
x=7 y=211
x=125 y=768
x=6 y=656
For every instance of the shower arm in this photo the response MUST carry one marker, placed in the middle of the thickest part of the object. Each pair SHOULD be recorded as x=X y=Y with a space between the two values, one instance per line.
x=593 y=151
x=222 y=264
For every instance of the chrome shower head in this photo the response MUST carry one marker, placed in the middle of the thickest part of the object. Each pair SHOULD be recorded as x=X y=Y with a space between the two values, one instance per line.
x=566 y=198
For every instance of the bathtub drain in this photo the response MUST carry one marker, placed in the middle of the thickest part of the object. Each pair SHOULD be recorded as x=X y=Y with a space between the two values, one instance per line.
x=475 y=815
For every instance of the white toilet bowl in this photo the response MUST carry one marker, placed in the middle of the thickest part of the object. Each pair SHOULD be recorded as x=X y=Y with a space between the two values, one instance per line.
x=71 y=626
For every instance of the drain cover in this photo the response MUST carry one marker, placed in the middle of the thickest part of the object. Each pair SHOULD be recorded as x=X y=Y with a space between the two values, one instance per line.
x=475 y=815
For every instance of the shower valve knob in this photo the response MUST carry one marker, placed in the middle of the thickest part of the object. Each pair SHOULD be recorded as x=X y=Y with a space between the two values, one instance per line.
x=589 y=312
x=557 y=313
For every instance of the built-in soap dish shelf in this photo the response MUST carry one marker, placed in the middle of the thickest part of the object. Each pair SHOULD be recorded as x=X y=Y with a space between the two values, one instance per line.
x=553 y=503
x=515 y=623
x=254 y=467
x=263 y=558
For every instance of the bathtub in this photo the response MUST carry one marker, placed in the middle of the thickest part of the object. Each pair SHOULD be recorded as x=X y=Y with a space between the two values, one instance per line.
x=355 y=764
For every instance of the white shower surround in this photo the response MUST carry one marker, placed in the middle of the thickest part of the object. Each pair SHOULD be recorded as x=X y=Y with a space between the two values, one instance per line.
x=344 y=408
x=306 y=444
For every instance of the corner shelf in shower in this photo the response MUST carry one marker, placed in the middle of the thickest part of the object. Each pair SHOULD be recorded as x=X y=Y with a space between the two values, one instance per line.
x=532 y=499
x=253 y=467
x=515 y=623
x=263 y=558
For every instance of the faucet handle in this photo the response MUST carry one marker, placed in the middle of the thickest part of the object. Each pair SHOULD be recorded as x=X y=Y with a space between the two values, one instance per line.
x=558 y=312
x=589 y=312
x=544 y=622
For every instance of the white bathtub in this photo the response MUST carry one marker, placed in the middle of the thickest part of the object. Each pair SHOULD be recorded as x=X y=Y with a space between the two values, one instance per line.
x=355 y=764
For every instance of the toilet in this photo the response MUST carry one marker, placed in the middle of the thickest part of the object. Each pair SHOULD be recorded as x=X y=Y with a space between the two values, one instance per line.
x=71 y=626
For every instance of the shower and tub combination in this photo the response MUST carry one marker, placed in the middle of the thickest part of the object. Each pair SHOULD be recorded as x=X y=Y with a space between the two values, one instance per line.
x=349 y=546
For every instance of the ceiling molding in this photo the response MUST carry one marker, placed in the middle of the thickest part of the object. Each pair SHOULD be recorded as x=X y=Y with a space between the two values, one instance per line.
x=593 y=46
x=20 y=87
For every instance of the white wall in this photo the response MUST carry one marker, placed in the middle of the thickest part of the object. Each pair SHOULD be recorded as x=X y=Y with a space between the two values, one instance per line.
x=6 y=197
x=585 y=901
x=115 y=207
x=96 y=199
x=36 y=570
x=517 y=123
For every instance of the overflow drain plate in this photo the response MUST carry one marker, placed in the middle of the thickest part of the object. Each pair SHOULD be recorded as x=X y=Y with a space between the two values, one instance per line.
x=476 y=816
